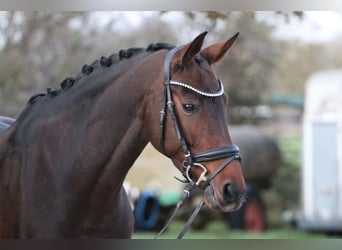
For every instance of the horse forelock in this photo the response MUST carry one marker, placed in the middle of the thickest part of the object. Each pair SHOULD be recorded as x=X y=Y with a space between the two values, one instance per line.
x=103 y=62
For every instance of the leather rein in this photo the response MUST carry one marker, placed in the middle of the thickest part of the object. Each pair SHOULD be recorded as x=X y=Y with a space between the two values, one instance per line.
x=229 y=152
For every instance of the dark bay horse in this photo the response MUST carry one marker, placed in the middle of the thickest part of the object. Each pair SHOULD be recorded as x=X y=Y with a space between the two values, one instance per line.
x=64 y=159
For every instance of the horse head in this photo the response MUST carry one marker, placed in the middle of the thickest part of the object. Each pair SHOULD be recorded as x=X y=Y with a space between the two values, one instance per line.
x=193 y=123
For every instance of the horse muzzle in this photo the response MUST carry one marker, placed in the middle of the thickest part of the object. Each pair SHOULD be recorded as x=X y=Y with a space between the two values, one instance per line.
x=228 y=196
x=230 y=200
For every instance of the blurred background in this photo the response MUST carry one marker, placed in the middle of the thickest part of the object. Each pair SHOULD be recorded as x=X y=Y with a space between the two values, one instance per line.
x=266 y=75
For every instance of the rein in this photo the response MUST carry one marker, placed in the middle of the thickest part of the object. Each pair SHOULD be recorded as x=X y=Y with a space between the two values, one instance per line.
x=229 y=152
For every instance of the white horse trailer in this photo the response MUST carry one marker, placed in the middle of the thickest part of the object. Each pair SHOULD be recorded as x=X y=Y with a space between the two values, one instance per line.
x=322 y=154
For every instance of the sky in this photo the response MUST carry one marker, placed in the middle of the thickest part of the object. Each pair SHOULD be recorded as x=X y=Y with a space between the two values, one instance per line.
x=317 y=26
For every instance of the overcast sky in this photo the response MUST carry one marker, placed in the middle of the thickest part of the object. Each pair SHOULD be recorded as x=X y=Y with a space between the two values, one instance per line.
x=317 y=26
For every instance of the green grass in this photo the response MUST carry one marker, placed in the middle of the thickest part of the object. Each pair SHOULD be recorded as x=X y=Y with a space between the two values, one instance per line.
x=219 y=230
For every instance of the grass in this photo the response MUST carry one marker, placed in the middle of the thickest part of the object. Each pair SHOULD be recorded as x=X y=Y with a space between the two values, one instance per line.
x=219 y=230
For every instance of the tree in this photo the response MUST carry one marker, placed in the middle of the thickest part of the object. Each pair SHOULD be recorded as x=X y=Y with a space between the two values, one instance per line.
x=34 y=43
x=40 y=49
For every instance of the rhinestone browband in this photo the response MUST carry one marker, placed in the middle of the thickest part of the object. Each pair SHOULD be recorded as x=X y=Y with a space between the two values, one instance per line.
x=219 y=93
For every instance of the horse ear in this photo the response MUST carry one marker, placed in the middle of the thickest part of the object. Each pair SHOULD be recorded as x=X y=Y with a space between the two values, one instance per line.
x=216 y=51
x=188 y=52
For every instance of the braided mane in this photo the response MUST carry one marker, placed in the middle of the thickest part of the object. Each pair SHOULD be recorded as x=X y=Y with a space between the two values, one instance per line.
x=88 y=69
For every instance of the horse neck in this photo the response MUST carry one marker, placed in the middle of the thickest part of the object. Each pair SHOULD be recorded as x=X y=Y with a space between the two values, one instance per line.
x=116 y=122
x=116 y=127
x=100 y=124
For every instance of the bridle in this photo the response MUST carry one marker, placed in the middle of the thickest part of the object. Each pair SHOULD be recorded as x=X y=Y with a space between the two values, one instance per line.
x=229 y=152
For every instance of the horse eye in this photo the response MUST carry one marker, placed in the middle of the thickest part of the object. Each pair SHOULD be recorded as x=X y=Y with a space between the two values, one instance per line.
x=198 y=60
x=189 y=108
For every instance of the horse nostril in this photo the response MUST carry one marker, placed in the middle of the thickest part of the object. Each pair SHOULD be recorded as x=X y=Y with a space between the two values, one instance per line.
x=230 y=192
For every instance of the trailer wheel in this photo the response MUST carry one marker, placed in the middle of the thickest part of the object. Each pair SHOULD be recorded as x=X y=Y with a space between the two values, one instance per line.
x=252 y=215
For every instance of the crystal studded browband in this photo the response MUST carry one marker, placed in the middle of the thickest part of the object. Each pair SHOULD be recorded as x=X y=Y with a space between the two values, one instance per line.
x=219 y=93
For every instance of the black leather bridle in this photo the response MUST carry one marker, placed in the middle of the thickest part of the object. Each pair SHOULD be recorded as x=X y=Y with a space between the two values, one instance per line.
x=191 y=160
x=229 y=152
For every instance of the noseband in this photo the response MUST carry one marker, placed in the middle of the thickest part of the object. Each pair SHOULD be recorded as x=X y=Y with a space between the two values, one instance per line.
x=191 y=160
x=229 y=152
